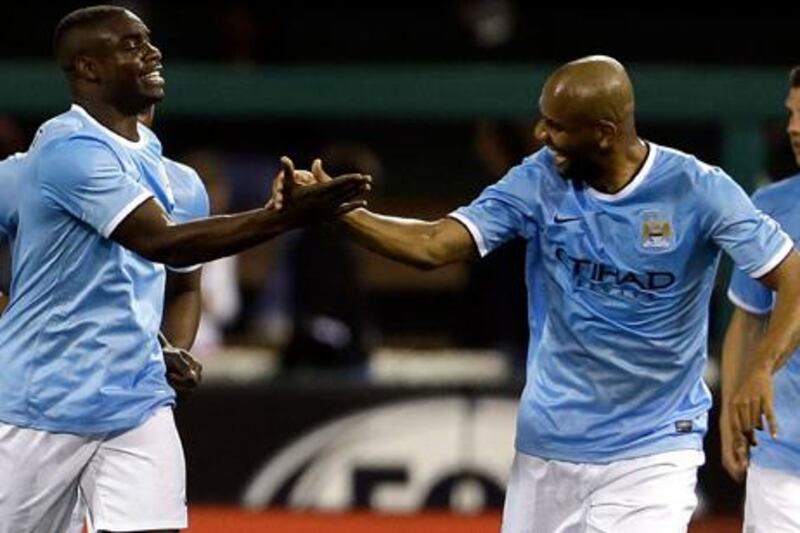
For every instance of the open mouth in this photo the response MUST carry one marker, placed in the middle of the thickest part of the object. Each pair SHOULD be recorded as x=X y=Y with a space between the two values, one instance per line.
x=154 y=76
x=559 y=158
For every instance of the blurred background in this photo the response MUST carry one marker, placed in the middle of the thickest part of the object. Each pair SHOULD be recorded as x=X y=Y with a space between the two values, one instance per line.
x=344 y=392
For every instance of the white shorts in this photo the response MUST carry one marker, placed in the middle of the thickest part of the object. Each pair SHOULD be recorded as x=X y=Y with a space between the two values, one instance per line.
x=773 y=501
x=130 y=481
x=652 y=494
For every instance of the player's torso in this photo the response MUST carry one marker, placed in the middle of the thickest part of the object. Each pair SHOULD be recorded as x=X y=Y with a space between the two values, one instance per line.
x=641 y=251
x=80 y=333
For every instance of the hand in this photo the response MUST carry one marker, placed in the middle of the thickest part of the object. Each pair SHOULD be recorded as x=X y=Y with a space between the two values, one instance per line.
x=735 y=448
x=301 y=177
x=184 y=373
x=751 y=403
x=321 y=199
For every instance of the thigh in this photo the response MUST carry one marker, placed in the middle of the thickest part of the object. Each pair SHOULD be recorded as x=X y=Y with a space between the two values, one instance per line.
x=655 y=494
x=543 y=497
x=772 y=504
x=137 y=480
x=40 y=473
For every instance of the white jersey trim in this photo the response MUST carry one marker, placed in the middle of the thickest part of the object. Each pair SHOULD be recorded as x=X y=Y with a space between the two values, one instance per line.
x=739 y=302
x=186 y=269
x=474 y=231
x=633 y=184
x=776 y=259
x=124 y=212
x=136 y=145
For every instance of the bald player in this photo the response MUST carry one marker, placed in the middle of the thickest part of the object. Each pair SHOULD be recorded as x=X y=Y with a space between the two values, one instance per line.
x=626 y=235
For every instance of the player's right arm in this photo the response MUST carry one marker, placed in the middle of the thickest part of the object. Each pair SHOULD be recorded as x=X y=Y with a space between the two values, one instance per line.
x=425 y=245
x=3 y=302
x=495 y=217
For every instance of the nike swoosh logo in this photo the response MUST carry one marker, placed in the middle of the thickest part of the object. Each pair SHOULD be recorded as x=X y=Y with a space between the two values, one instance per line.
x=558 y=220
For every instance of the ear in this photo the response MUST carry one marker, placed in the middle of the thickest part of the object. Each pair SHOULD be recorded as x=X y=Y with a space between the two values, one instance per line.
x=606 y=132
x=87 y=68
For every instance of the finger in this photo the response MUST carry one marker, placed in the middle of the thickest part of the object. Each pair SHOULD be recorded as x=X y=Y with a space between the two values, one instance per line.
x=339 y=191
x=318 y=172
x=304 y=177
x=287 y=167
x=276 y=200
x=756 y=420
x=350 y=206
x=741 y=458
x=772 y=420
x=355 y=182
x=180 y=382
x=738 y=422
x=346 y=197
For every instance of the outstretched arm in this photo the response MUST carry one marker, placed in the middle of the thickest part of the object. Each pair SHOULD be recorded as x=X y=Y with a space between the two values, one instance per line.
x=425 y=245
x=422 y=244
x=149 y=232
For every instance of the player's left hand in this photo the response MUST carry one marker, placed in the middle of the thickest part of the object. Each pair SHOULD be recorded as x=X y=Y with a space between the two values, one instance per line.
x=300 y=177
x=752 y=403
x=184 y=373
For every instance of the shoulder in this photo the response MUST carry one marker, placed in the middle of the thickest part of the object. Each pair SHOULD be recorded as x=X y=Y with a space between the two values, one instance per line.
x=776 y=195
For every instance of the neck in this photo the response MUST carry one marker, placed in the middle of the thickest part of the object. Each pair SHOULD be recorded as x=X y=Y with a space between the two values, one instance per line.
x=619 y=169
x=111 y=117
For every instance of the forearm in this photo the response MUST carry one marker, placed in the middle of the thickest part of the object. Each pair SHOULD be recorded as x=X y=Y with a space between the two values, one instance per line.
x=3 y=302
x=414 y=242
x=201 y=241
x=741 y=339
x=181 y=319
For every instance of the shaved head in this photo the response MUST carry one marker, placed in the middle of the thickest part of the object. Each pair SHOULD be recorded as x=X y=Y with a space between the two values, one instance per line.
x=587 y=121
x=79 y=33
x=109 y=60
x=592 y=89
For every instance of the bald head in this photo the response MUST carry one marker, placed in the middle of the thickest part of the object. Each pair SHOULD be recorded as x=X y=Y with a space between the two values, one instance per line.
x=594 y=88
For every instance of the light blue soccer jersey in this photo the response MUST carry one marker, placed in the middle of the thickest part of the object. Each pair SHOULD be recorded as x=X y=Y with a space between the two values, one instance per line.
x=781 y=201
x=191 y=198
x=10 y=171
x=618 y=370
x=78 y=341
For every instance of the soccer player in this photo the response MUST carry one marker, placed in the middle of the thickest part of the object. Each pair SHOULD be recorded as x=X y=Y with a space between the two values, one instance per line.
x=773 y=465
x=83 y=397
x=628 y=235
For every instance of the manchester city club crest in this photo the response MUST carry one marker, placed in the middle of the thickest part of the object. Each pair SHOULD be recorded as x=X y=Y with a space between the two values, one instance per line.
x=658 y=232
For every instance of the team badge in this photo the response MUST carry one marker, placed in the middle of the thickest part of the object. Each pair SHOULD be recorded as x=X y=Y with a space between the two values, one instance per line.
x=658 y=232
